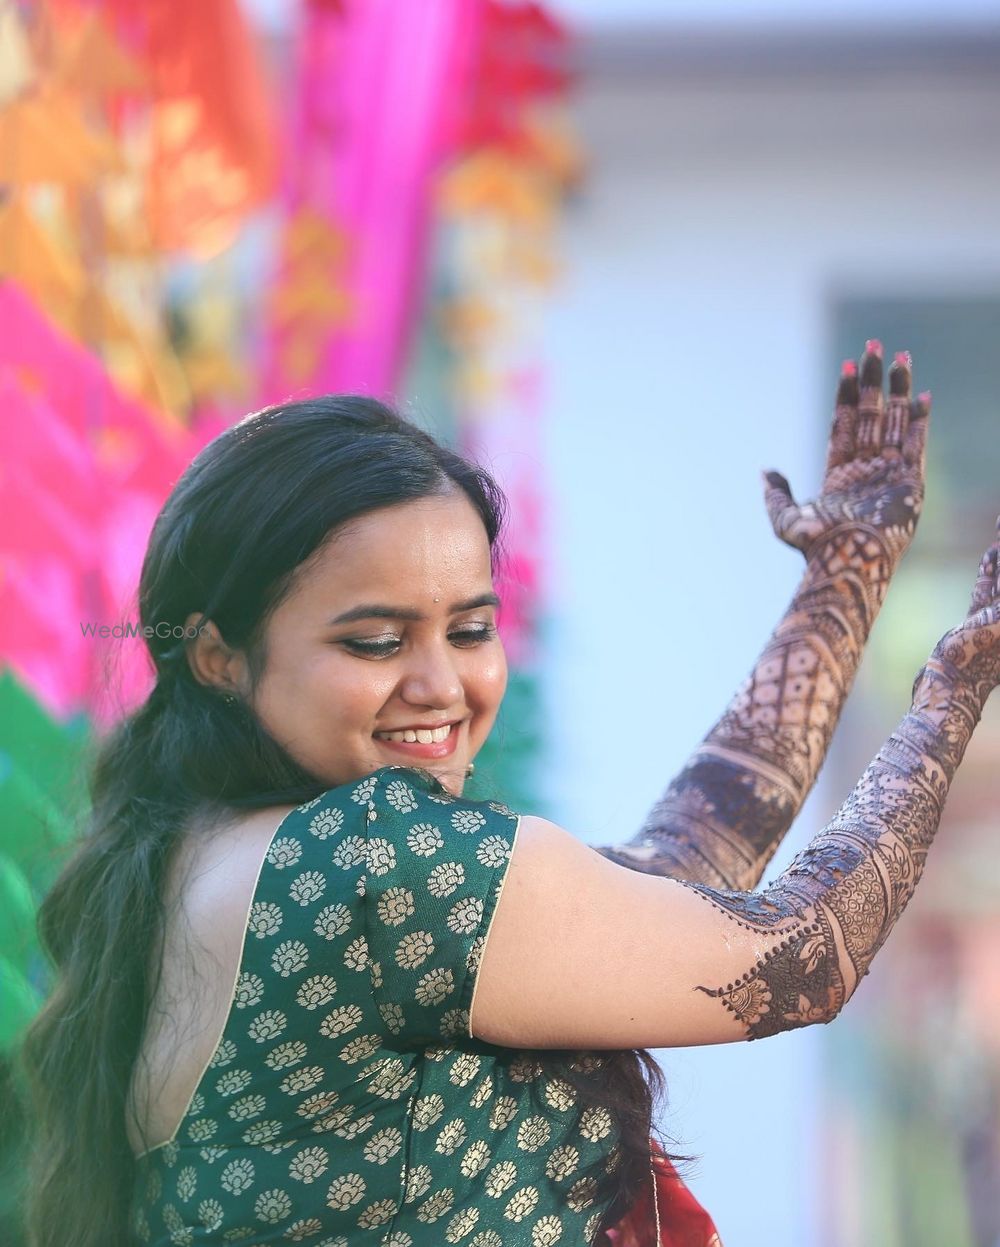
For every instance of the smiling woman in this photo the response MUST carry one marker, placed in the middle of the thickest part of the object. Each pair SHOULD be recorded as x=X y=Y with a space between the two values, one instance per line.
x=306 y=989
x=387 y=630
x=266 y=943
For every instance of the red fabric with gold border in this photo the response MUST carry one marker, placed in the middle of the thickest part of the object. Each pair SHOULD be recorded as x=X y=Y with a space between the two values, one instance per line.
x=682 y=1220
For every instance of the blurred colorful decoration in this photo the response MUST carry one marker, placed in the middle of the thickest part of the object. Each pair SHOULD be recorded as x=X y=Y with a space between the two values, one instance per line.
x=86 y=470
x=204 y=121
x=124 y=133
x=500 y=203
x=379 y=100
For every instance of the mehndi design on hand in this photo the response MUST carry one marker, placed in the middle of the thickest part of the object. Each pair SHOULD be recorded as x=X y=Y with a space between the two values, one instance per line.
x=832 y=909
x=722 y=818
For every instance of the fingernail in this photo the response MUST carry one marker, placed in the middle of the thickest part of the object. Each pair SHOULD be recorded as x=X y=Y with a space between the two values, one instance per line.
x=925 y=396
x=903 y=358
x=848 y=368
x=873 y=347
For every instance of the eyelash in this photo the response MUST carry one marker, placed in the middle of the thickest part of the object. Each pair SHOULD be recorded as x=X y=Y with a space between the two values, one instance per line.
x=382 y=649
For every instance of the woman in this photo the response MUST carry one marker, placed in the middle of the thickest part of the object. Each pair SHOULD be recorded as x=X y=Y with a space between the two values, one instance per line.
x=307 y=992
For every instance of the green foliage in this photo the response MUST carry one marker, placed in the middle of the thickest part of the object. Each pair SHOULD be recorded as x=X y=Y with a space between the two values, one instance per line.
x=41 y=791
x=507 y=765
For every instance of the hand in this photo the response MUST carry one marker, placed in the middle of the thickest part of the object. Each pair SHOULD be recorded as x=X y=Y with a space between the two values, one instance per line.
x=875 y=462
x=971 y=652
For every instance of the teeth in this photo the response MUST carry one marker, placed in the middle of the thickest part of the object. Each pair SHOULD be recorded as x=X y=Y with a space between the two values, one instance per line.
x=422 y=736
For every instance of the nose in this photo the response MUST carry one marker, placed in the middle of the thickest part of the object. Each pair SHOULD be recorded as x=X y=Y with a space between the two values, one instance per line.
x=433 y=679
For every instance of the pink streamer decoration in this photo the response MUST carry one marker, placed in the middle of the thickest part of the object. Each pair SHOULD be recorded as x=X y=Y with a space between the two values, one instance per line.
x=383 y=88
x=87 y=471
x=506 y=437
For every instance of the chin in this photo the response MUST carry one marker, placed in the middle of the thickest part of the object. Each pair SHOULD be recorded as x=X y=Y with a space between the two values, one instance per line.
x=451 y=777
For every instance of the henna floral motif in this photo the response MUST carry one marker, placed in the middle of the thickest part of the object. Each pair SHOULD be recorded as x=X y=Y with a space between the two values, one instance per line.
x=840 y=897
x=721 y=820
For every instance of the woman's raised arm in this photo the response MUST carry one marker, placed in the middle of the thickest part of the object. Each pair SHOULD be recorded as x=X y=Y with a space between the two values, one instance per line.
x=584 y=954
x=722 y=818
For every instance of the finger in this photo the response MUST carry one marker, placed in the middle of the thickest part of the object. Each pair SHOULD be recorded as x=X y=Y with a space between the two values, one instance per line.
x=845 y=417
x=987 y=584
x=995 y=549
x=777 y=494
x=780 y=504
x=983 y=591
x=897 y=413
x=871 y=401
x=915 y=442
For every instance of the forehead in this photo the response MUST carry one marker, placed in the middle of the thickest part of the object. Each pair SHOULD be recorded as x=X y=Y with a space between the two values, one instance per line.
x=422 y=546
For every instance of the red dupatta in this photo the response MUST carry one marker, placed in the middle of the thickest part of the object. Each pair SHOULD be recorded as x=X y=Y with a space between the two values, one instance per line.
x=681 y=1219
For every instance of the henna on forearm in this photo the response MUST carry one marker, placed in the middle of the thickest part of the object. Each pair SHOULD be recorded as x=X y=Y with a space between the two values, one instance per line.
x=721 y=819
x=828 y=914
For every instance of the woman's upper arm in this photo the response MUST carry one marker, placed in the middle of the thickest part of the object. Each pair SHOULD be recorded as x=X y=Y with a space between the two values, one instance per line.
x=584 y=953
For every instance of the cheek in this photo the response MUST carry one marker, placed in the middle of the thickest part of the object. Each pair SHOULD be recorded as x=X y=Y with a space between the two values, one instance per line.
x=351 y=690
x=491 y=679
x=325 y=684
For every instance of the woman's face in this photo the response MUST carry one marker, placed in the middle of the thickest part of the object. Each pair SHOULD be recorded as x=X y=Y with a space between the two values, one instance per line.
x=389 y=628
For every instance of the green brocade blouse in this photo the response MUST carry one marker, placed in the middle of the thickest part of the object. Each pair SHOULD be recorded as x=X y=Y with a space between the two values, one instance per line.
x=346 y=1103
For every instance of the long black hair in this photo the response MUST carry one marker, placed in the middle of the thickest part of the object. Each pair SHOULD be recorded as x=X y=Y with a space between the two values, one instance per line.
x=250 y=509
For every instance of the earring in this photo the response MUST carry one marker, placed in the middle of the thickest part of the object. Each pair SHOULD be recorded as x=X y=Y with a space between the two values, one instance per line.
x=469 y=769
x=230 y=699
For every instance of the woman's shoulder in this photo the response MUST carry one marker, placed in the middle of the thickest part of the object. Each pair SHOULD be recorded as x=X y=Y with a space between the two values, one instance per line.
x=403 y=801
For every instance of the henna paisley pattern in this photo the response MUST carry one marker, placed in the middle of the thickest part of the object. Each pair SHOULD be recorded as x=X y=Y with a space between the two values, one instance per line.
x=721 y=820
x=835 y=905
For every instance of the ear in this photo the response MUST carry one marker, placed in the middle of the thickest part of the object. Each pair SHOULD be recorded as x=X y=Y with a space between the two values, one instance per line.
x=211 y=660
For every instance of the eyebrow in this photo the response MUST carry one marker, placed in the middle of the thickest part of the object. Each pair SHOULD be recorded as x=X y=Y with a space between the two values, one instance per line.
x=371 y=610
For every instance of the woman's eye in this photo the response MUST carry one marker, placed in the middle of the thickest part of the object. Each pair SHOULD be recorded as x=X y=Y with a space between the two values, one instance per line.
x=472 y=636
x=463 y=637
x=373 y=649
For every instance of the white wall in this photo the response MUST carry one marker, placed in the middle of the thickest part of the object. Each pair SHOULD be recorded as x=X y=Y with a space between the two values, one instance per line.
x=686 y=351
x=616 y=13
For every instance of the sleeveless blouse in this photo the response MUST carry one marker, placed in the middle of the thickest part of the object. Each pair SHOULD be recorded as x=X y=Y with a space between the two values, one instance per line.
x=347 y=1103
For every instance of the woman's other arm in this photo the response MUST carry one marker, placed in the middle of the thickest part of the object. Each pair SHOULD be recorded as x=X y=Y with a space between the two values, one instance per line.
x=722 y=818
x=584 y=954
